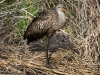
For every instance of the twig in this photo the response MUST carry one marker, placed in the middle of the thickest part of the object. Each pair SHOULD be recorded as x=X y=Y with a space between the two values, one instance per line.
x=63 y=31
x=13 y=4
x=2 y=1
x=73 y=5
x=47 y=3
x=52 y=2
x=53 y=71
x=25 y=17
x=91 y=7
x=27 y=12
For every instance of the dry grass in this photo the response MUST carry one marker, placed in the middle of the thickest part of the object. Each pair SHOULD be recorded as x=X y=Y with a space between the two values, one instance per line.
x=74 y=53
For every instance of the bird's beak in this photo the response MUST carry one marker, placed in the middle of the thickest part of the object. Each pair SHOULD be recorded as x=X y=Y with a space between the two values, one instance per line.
x=64 y=10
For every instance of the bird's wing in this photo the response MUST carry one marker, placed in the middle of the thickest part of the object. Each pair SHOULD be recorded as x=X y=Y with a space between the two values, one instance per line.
x=39 y=25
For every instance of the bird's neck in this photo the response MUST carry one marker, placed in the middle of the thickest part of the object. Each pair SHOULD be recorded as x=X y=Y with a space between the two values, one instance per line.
x=61 y=17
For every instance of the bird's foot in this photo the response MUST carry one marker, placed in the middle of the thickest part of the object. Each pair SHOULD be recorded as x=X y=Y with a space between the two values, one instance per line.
x=48 y=66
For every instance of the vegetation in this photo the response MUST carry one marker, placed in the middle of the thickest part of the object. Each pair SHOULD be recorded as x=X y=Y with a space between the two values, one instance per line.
x=74 y=50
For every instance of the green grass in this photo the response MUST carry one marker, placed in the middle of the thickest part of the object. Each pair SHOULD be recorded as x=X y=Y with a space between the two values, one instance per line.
x=23 y=23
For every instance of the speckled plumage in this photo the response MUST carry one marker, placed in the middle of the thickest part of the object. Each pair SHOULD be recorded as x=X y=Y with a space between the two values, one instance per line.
x=46 y=24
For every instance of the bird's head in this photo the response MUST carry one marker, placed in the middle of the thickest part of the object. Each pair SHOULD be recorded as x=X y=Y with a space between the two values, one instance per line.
x=60 y=7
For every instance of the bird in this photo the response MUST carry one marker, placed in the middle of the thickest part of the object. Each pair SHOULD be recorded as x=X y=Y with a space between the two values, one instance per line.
x=46 y=24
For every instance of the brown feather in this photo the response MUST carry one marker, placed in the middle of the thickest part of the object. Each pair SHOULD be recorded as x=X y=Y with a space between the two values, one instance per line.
x=33 y=32
x=46 y=24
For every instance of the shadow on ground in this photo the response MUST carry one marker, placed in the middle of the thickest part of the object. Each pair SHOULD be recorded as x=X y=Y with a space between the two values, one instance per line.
x=58 y=41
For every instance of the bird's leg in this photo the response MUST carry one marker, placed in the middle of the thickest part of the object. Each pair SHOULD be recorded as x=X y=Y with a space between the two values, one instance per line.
x=49 y=35
x=47 y=57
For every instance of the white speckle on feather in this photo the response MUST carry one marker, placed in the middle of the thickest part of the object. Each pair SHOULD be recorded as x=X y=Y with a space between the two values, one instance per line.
x=52 y=21
x=48 y=27
x=48 y=16
x=38 y=22
x=45 y=21
x=45 y=16
x=45 y=25
x=42 y=22
x=38 y=26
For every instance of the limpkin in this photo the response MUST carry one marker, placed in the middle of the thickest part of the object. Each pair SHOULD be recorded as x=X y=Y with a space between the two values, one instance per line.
x=46 y=24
